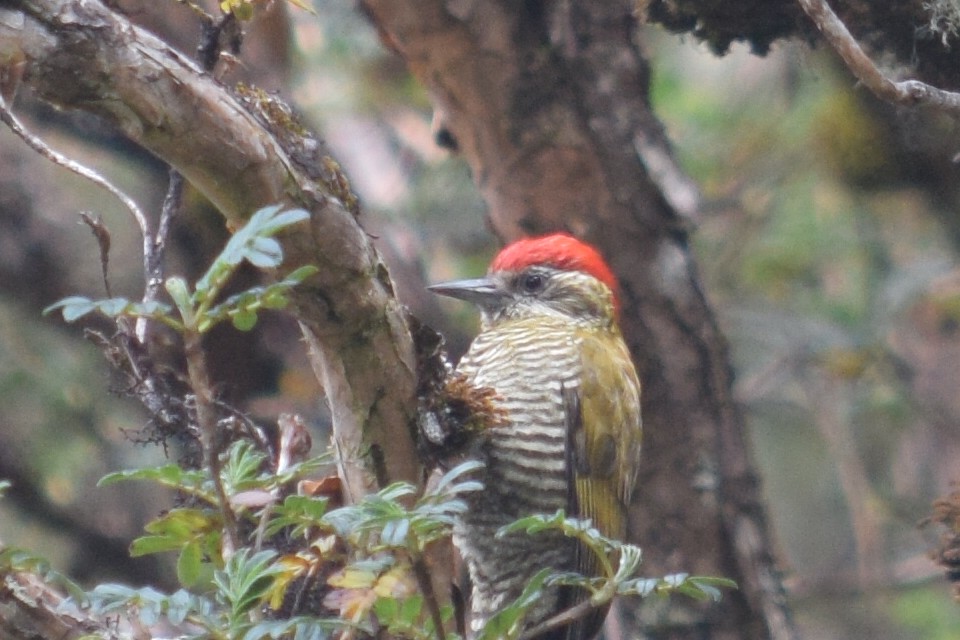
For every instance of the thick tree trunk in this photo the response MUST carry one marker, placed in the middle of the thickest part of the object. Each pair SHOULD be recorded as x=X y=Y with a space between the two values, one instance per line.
x=548 y=103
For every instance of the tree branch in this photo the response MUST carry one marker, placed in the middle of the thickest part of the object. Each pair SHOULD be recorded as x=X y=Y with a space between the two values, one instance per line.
x=40 y=611
x=907 y=92
x=81 y=55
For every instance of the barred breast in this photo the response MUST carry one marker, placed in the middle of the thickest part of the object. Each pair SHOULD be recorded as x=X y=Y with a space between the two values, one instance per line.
x=527 y=363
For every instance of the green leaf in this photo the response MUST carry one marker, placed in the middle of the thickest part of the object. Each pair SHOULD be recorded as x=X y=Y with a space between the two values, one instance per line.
x=373 y=565
x=77 y=310
x=113 y=307
x=309 y=507
x=272 y=296
x=383 y=519
x=243 y=468
x=287 y=218
x=410 y=610
x=709 y=585
x=697 y=587
x=110 y=598
x=302 y=628
x=534 y=524
x=244 y=319
x=708 y=591
x=274 y=299
x=72 y=307
x=507 y=624
x=301 y=513
x=715 y=581
x=179 y=292
x=252 y=243
x=245 y=580
x=76 y=307
x=674 y=580
x=146 y=545
x=150 y=604
x=270 y=220
x=448 y=482
x=252 y=238
x=393 y=492
x=179 y=606
x=174 y=530
x=301 y=469
x=395 y=532
x=169 y=475
x=190 y=564
x=264 y=253
x=387 y=610
x=149 y=607
x=642 y=587
x=691 y=590
x=630 y=558
x=582 y=530
x=242 y=10
x=301 y=273
x=572 y=579
x=17 y=559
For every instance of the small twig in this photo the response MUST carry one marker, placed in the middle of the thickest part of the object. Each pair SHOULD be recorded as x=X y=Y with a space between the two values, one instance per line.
x=102 y=235
x=422 y=573
x=154 y=248
x=906 y=92
x=209 y=434
x=214 y=32
x=171 y=204
x=562 y=619
x=153 y=265
x=38 y=145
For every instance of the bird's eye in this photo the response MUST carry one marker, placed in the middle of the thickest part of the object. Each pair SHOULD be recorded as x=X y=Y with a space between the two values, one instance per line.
x=532 y=282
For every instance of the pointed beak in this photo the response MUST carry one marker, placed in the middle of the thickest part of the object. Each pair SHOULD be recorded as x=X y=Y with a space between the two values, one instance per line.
x=484 y=292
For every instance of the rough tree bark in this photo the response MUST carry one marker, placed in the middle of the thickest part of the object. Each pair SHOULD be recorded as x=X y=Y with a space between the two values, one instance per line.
x=548 y=103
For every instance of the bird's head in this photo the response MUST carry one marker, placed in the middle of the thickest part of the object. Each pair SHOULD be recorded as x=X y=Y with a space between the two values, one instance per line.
x=556 y=275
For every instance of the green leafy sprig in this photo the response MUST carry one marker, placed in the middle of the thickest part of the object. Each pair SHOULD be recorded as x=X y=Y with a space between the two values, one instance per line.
x=198 y=310
x=619 y=562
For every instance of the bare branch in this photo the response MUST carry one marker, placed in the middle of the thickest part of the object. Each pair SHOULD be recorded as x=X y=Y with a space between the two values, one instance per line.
x=562 y=619
x=43 y=612
x=41 y=147
x=102 y=234
x=154 y=247
x=907 y=92
x=205 y=401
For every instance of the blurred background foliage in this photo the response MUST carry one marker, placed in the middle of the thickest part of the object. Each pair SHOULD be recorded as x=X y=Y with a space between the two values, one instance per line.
x=828 y=238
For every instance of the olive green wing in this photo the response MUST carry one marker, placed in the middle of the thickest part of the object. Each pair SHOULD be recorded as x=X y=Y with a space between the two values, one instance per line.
x=603 y=448
x=604 y=430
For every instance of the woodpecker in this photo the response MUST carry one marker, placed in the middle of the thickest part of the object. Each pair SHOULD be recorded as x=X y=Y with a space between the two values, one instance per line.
x=551 y=350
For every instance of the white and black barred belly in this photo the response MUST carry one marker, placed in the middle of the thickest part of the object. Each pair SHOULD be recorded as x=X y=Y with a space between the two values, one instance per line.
x=528 y=364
